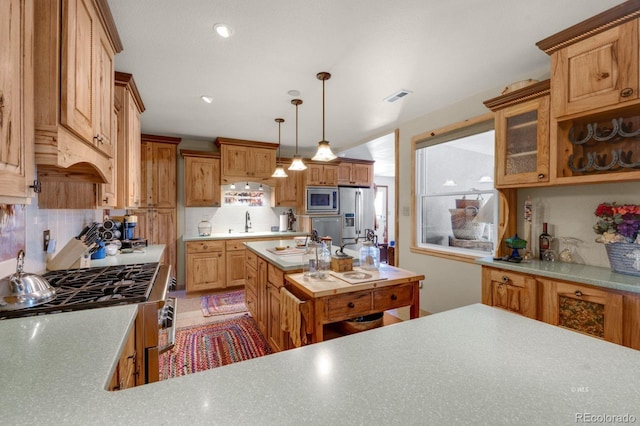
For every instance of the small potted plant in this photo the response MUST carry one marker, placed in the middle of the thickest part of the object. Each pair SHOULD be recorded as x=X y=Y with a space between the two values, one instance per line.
x=618 y=227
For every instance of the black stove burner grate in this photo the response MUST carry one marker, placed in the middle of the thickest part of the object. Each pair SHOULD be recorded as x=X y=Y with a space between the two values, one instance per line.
x=93 y=288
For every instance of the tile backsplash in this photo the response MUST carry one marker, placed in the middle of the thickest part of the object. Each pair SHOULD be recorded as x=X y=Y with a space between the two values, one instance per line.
x=232 y=217
x=63 y=224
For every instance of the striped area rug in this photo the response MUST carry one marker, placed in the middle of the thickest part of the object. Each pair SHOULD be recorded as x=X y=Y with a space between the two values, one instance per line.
x=206 y=346
x=223 y=303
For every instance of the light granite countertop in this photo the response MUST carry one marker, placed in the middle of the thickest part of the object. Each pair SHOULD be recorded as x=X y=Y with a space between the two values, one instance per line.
x=288 y=262
x=475 y=365
x=151 y=254
x=244 y=235
x=593 y=275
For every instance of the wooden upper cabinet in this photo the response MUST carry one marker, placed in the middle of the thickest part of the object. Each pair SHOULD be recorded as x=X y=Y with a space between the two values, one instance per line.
x=321 y=174
x=75 y=42
x=594 y=107
x=351 y=173
x=288 y=190
x=86 y=93
x=159 y=160
x=522 y=136
x=127 y=156
x=594 y=64
x=16 y=101
x=246 y=160
x=201 y=179
x=597 y=72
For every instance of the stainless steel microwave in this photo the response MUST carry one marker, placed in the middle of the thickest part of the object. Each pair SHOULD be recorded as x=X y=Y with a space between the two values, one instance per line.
x=322 y=199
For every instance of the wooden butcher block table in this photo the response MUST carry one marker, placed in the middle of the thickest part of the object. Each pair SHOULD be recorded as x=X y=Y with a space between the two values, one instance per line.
x=342 y=296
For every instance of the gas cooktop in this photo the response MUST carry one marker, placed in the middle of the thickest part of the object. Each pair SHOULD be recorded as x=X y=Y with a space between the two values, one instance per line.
x=94 y=288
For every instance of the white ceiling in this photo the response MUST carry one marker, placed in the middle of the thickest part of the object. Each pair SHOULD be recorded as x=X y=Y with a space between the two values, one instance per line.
x=441 y=51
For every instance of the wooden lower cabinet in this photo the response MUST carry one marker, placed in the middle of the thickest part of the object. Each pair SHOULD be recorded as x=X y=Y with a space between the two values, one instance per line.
x=262 y=292
x=125 y=373
x=607 y=314
x=263 y=313
x=584 y=309
x=511 y=291
x=276 y=337
x=235 y=257
x=205 y=266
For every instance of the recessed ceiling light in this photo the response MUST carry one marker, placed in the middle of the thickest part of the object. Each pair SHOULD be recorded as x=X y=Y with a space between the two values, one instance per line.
x=223 y=30
x=293 y=92
x=207 y=99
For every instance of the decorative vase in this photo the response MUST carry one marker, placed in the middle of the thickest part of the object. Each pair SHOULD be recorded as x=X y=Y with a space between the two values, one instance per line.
x=624 y=258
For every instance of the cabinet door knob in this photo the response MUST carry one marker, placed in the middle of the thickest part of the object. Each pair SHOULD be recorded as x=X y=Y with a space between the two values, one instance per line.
x=394 y=297
x=626 y=92
x=505 y=279
x=540 y=175
x=351 y=305
x=578 y=293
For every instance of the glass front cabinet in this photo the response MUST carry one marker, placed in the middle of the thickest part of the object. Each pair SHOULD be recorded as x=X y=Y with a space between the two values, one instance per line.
x=522 y=136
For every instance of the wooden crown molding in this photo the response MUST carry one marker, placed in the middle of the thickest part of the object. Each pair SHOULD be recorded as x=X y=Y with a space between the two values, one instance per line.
x=126 y=79
x=160 y=139
x=532 y=91
x=601 y=22
x=242 y=142
x=109 y=24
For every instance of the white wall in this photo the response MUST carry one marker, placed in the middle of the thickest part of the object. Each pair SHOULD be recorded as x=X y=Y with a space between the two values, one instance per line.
x=63 y=224
x=568 y=210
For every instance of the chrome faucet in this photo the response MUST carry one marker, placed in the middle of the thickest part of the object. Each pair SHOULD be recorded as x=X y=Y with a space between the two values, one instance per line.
x=247 y=221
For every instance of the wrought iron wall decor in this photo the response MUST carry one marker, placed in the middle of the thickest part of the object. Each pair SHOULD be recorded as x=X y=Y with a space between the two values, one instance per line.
x=595 y=133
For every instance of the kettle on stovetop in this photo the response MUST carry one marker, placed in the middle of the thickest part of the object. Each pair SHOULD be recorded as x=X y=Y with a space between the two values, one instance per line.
x=24 y=290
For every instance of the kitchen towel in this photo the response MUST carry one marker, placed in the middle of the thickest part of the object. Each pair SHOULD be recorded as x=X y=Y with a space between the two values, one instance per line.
x=290 y=317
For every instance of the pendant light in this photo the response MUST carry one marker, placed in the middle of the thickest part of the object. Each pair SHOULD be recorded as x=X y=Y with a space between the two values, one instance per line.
x=324 y=150
x=279 y=172
x=297 y=163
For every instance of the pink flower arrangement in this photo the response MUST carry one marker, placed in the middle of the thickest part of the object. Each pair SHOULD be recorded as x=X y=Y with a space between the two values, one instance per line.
x=617 y=223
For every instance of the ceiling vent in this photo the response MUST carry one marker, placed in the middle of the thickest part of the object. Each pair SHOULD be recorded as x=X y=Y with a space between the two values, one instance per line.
x=398 y=95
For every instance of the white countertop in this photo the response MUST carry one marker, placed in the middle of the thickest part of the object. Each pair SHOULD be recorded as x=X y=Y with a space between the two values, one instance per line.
x=472 y=365
x=287 y=262
x=333 y=284
x=244 y=235
x=151 y=254
x=585 y=274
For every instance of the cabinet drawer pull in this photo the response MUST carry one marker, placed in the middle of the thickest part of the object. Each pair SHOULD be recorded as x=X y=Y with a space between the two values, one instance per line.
x=625 y=93
x=394 y=297
x=505 y=279
x=351 y=305
x=578 y=293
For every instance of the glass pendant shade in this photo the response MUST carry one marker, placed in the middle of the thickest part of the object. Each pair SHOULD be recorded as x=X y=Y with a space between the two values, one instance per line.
x=279 y=172
x=324 y=152
x=297 y=164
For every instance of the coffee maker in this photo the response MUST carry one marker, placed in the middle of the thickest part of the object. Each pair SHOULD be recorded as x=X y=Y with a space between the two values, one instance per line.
x=130 y=222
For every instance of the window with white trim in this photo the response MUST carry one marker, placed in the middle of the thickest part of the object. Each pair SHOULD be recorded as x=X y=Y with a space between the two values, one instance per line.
x=456 y=203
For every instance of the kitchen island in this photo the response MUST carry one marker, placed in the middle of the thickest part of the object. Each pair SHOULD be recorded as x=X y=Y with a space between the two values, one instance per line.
x=471 y=365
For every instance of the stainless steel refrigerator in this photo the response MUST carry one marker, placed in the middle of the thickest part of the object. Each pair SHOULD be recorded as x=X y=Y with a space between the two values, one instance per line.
x=327 y=226
x=357 y=210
